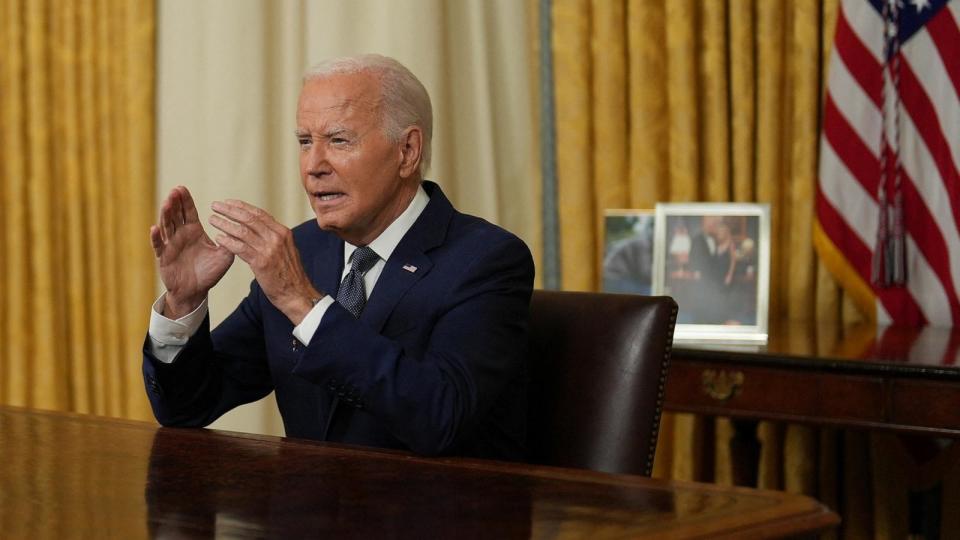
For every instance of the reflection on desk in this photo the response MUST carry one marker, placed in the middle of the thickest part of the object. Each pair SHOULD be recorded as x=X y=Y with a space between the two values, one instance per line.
x=66 y=475
x=930 y=345
x=863 y=343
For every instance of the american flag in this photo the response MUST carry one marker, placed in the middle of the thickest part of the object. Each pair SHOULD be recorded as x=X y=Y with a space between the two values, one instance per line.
x=888 y=193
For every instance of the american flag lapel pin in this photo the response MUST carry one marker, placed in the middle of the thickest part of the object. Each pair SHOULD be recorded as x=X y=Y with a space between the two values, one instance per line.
x=410 y=268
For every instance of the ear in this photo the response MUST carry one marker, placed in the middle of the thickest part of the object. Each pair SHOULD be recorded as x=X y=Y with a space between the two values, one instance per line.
x=411 y=148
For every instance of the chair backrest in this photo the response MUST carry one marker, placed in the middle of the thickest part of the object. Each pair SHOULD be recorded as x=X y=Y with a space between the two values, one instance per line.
x=597 y=368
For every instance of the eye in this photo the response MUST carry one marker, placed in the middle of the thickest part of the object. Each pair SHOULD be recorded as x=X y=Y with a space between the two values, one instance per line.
x=338 y=141
x=304 y=141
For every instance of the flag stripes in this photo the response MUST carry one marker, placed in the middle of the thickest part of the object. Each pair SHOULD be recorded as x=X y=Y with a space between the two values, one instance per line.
x=927 y=139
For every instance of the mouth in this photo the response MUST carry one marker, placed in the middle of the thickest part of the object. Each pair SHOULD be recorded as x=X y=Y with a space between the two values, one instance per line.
x=328 y=196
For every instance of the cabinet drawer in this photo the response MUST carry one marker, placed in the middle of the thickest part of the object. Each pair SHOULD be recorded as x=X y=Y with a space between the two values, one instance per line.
x=928 y=404
x=710 y=388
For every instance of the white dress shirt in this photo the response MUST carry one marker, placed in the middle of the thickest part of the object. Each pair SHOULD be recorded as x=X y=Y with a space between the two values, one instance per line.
x=168 y=336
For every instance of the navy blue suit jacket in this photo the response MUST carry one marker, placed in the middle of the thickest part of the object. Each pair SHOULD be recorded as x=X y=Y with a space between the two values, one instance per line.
x=435 y=363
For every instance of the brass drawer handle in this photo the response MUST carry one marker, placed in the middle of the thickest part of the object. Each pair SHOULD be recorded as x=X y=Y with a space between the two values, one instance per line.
x=721 y=385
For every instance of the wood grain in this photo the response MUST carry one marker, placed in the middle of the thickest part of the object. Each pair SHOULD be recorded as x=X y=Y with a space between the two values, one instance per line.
x=897 y=379
x=68 y=475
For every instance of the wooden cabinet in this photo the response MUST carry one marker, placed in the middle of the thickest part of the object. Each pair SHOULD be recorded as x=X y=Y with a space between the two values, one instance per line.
x=897 y=379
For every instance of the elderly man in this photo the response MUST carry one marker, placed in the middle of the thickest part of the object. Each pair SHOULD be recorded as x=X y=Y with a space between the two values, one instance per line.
x=391 y=320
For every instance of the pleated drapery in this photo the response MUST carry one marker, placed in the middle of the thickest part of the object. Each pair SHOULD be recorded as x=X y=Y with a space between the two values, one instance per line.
x=77 y=177
x=683 y=100
x=717 y=101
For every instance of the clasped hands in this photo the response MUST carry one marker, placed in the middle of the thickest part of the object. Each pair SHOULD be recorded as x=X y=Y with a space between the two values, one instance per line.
x=190 y=263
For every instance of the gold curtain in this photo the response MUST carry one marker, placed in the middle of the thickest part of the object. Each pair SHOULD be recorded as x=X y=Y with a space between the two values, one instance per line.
x=77 y=174
x=692 y=100
x=713 y=100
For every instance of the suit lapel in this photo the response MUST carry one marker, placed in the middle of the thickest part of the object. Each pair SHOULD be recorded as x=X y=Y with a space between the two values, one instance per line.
x=427 y=232
x=392 y=284
x=409 y=262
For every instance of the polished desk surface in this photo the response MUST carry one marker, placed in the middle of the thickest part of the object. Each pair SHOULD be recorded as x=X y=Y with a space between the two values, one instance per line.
x=903 y=379
x=859 y=348
x=69 y=475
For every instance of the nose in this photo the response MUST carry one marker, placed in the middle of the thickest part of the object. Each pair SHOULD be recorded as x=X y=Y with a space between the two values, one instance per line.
x=315 y=162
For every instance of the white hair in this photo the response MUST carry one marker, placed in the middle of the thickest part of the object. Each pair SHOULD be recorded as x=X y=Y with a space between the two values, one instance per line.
x=405 y=100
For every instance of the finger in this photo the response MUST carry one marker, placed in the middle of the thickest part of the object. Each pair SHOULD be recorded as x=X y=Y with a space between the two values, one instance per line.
x=244 y=205
x=256 y=219
x=235 y=246
x=173 y=214
x=190 y=214
x=161 y=219
x=156 y=240
x=257 y=214
x=176 y=214
x=233 y=211
x=254 y=212
x=241 y=231
x=260 y=221
x=167 y=225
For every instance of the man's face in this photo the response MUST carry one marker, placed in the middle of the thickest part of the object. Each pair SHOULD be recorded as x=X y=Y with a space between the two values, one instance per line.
x=710 y=224
x=352 y=172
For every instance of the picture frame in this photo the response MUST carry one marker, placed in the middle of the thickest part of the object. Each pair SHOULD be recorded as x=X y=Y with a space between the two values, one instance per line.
x=626 y=265
x=714 y=260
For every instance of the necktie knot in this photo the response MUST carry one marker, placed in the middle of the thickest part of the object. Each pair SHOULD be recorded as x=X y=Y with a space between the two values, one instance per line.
x=363 y=259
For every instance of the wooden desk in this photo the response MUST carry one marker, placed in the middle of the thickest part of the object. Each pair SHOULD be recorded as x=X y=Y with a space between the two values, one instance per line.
x=902 y=379
x=66 y=476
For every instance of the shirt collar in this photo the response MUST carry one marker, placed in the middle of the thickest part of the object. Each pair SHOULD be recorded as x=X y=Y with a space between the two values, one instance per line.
x=389 y=239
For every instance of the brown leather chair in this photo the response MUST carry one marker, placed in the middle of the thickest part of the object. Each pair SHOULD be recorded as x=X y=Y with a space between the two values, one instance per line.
x=597 y=366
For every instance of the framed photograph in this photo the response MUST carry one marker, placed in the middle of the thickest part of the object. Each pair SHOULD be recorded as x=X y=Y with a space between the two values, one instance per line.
x=714 y=260
x=627 y=265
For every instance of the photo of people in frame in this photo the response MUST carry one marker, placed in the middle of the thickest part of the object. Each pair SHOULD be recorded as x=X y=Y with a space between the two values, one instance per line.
x=711 y=268
x=628 y=251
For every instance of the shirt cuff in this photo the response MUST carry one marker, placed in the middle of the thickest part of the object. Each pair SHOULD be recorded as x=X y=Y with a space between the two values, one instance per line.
x=168 y=336
x=308 y=326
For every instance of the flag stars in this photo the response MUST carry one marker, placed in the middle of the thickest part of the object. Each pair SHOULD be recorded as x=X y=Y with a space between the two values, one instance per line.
x=920 y=5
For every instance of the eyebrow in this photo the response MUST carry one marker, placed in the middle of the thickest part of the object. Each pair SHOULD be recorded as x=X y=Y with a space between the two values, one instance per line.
x=334 y=131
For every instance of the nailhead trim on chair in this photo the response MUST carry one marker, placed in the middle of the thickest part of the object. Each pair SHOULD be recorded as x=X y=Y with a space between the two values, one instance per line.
x=660 y=393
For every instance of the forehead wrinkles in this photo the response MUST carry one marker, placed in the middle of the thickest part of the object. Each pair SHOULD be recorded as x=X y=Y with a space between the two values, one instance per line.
x=344 y=90
x=347 y=109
